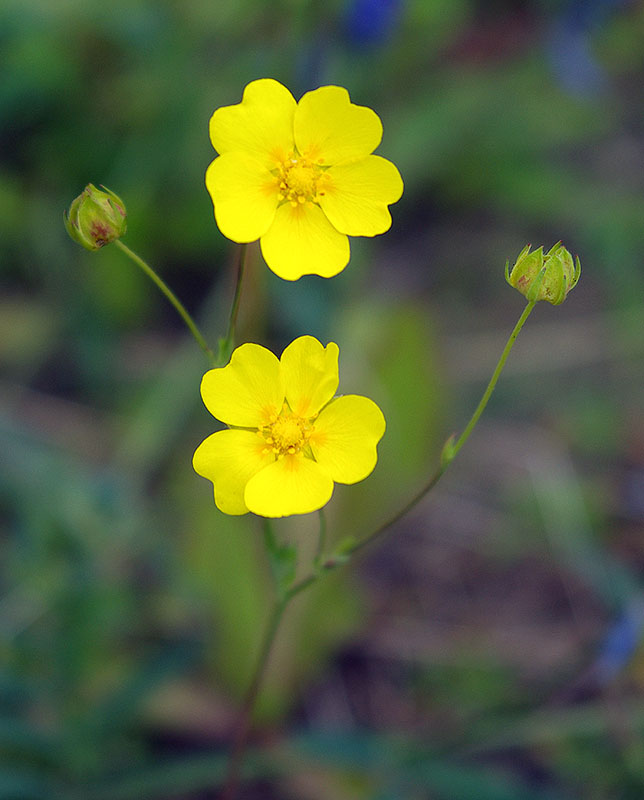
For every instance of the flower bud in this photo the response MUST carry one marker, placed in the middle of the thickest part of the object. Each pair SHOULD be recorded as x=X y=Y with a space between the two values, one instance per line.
x=544 y=277
x=96 y=218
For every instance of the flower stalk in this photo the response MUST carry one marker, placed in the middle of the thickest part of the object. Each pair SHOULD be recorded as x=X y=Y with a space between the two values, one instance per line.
x=227 y=342
x=321 y=538
x=171 y=296
x=240 y=738
x=451 y=447
x=450 y=450
x=322 y=565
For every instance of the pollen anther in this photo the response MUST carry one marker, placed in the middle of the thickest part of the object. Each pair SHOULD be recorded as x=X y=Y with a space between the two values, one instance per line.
x=288 y=433
x=297 y=180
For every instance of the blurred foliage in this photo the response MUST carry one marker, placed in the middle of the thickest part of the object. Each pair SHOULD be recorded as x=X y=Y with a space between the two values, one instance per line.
x=130 y=609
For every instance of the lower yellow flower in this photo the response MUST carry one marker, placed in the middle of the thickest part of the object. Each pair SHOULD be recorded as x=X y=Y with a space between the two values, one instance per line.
x=288 y=438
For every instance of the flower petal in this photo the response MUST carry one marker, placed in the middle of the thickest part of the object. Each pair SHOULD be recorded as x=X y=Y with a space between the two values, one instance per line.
x=357 y=195
x=249 y=392
x=261 y=125
x=230 y=459
x=302 y=241
x=345 y=438
x=290 y=485
x=330 y=128
x=244 y=194
x=310 y=373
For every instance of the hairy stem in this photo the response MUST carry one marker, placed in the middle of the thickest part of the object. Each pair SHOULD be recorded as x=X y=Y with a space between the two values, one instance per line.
x=227 y=343
x=449 y=454
x=240 y=738
x=185 y=316
x=321 y=567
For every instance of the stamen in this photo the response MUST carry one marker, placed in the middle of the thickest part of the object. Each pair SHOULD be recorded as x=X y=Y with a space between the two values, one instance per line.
x=288 y=434
x=297 y=180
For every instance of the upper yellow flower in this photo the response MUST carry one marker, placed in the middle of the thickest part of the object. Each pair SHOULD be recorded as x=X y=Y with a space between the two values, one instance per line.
x=300 y=177
x=289 y=439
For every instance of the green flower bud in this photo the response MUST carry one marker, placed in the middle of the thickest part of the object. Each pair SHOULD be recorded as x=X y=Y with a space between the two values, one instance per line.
x=96 y=218
x=544 y=277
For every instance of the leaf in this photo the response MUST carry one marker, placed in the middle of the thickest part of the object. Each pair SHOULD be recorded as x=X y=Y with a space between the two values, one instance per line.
x=400 y=766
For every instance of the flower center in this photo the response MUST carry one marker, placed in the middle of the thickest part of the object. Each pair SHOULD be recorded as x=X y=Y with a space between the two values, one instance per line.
x=300 y=180
x=287 y=434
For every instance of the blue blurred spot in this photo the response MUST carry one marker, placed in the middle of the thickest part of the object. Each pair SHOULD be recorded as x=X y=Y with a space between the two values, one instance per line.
x=370 y=22
x=620 y=643
x=569 y=45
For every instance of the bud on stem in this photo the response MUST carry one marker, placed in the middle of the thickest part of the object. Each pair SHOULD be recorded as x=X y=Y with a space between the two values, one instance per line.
x=544 y=277
x=96 y=218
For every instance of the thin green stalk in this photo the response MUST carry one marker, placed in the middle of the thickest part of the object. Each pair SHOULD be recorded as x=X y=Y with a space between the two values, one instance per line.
x=245 y=717
x=231 y=785
x=490 y=387
x=227 y=343
x=269 y=536
x=185 y=316
x=240 y=738
x=449 y=453
x=321 y=567
x=321 y=537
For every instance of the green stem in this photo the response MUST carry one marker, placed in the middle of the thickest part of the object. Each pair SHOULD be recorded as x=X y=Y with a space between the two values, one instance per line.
x=240 y=737
x=227 y=343
x=321 y=537
x=269 y=536
x=194 y=330
x=490 y=387
x=245 y=717
x=231 y=785
x=321 y=567
x=449 y=455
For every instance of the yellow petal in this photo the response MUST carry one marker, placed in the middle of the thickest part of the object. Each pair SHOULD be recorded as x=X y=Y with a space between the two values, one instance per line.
x=230 y=459
x=261 y=125
x=357 y=195
x=249 y=392
x=244 y=194
x=290 y=485
x=302 y=241
x=310 y=373
x=328 y=126
x=345 y=438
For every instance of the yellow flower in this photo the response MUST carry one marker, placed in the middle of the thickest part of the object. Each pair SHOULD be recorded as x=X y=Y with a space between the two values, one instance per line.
x=300 y=177
x=288 y=438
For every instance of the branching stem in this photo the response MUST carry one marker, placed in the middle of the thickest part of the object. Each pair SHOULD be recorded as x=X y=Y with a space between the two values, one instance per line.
x=322 y=566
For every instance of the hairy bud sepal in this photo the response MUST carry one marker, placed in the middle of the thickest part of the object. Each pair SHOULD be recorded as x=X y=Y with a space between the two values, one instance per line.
x=96 y=218
x=548 y=276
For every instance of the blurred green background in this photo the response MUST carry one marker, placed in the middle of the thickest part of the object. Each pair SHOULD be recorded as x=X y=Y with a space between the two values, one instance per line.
x=491 y=647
